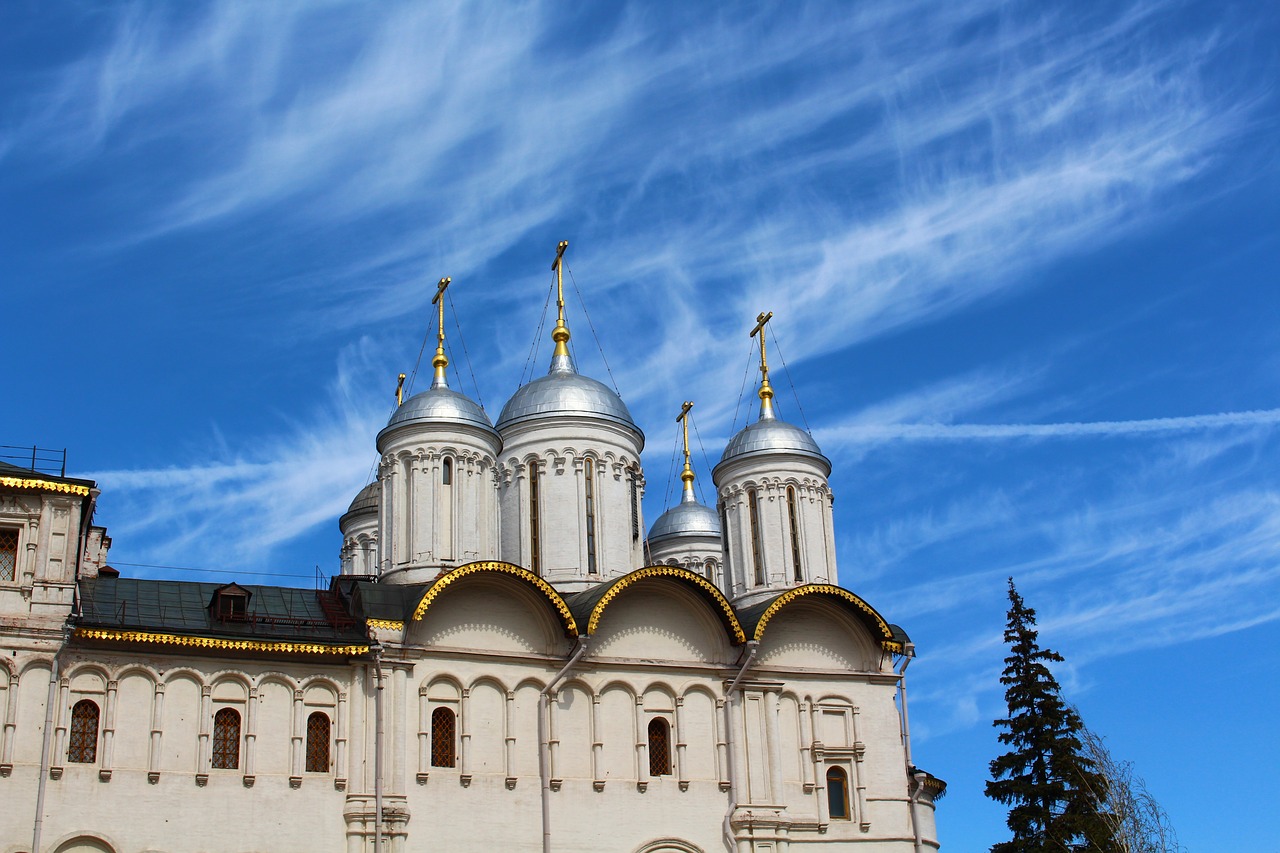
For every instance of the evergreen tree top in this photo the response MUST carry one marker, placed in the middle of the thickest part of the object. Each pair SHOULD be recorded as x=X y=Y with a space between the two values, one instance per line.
x=1052 y=788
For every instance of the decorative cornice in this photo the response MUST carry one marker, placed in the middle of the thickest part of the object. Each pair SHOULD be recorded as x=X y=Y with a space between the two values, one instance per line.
x=886 y=633
x=570 y=625
x=622 y=583
x=220 y=644
x=387 y=624
x=44 y=485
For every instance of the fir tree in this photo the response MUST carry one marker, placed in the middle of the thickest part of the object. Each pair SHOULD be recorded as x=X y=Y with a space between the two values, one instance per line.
x=1052 y=788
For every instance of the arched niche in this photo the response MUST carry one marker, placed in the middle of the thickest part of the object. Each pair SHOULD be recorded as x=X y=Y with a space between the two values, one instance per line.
x=663 y=617
x=815 y=632
x=488 y=611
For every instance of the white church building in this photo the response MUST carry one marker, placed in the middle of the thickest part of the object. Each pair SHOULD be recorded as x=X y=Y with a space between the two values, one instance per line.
x=506 y=661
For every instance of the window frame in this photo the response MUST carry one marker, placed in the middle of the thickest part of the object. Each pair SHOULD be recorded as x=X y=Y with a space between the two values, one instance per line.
x=660 y=758
x=535 y=519
x=220 y=742
x=314 y=744
x=589 y=501
x=757 y=544
x=82 y=745
x=793 y=514
x=836 y=773
x=444 y=738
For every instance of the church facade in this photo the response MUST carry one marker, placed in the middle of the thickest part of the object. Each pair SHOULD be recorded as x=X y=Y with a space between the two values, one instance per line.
x=507 y=659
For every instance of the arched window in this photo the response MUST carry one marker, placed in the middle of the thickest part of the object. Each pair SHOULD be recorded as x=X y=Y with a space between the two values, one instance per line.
x=837 y=794
x=226 y=739
x=83 y=748
x=757 y=549
x=709 y=569
x=795 y=534
x=8 y=554
x=443 y=738
x=446 y=472
x=589 y=484
x=535 y=545
x=635 y=507
x=659 y=747
x=318 y=742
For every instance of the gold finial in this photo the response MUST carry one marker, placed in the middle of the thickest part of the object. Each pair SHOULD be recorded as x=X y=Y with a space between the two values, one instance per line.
x=561 y=332
x=687 y=474
x=766 y=391
x=400 y=391
x=441 y=361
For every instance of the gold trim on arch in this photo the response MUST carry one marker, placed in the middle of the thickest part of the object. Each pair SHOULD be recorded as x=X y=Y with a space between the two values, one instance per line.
x=886 y=638
x=739 y=635
x=388 y=624
x=219 y=643
x=570 y=625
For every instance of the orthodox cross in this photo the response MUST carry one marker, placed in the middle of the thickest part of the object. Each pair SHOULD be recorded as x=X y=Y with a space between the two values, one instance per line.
x=400 y=391
x=687 y=474
x=441 y=361
x=561 y=332
x=766 y=392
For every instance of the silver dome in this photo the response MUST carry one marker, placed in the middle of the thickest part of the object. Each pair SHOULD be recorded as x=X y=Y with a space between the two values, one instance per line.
x=770 y=435
x=564 y=391
x=687 y=518
x=367 y=499
x=440 y=405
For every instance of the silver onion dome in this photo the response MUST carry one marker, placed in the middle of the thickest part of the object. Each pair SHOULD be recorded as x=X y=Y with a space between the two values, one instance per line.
x=687 y=518
x=770 y=435
x=440 y=405
x=565 y=392
x=367 y=499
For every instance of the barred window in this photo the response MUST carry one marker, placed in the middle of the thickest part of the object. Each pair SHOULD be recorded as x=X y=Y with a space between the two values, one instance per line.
x=226 y=739
x=8 y=554
x=443 y=729
x=83 y=748
x=318 y=742
x=837 y=794
x=635 y=507
x=659 y=747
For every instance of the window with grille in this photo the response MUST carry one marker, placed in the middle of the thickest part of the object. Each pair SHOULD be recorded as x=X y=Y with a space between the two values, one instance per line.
x=226 y=739
x=443 y=730
x=635 y=507
x=83 y=748
x=8 y=554
x=757 y=557
x=318 y=743
x=795 y=534
x=535 y=545
x=837 y=794
x=589 y=469
x=659 y=747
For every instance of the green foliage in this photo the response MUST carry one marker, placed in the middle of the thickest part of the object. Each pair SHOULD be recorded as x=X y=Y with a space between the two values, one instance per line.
x=1054 y=791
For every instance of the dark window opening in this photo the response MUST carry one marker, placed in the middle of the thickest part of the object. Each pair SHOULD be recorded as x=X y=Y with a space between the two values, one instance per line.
x=757 y=548
x=318 y=743
x=83 y=747
x=837 y=794
x=589 y=467
x=795 y=534
x=226 y=739
x=443 y=738
x=535 y=545
x=8 y=554
x=446 y=476
x=659 y=747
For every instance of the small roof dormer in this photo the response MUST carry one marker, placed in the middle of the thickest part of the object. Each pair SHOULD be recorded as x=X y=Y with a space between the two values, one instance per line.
x=230 y=603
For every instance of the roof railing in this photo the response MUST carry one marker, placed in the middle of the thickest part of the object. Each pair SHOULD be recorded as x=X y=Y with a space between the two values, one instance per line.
x=39 y=460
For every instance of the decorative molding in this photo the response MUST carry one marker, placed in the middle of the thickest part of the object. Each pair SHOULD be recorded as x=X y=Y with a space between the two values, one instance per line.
x=570 y=625
x=385 y=624
x=622 y=583
x=218 y=643
x=44 y=485
x=886 y=635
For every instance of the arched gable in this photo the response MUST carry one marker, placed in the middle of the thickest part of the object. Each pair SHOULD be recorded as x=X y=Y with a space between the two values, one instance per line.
x=495 y=566
x=704 y=589
x=880 y=630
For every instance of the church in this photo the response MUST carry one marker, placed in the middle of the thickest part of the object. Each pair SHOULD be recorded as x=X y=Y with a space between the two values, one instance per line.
x=507 y=659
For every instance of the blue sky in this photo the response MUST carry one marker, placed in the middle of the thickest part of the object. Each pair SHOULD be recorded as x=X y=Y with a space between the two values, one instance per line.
x=1023 y=259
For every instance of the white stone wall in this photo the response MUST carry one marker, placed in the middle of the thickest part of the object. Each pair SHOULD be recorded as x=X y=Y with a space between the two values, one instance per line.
x=819 y=695
x=774 y=481
x=560 y=448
